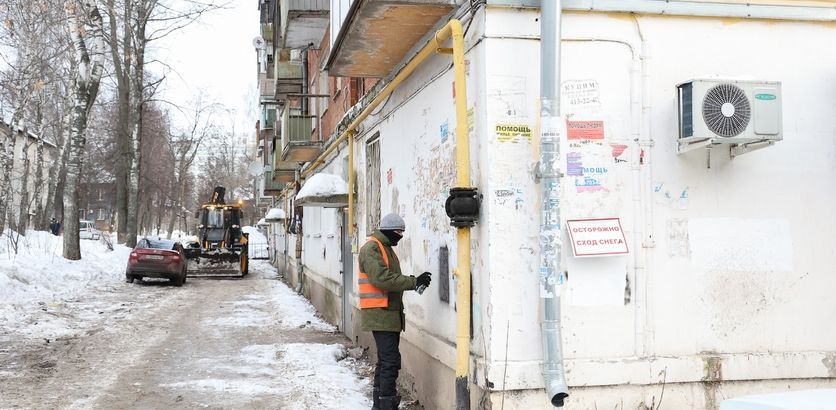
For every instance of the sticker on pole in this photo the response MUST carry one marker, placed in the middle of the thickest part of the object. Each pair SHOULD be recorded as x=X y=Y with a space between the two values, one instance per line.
x=597 y=237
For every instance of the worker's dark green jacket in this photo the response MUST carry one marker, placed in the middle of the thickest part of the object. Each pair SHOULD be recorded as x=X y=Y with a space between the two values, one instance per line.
x=390 y=319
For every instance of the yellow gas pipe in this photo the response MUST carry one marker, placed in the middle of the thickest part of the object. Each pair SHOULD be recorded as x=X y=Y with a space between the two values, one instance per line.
x=452 y=30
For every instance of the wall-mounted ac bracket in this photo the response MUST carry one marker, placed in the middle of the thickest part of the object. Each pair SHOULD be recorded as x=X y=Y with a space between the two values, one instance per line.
x=693 y=143
x=740 y=149
x=708 y=144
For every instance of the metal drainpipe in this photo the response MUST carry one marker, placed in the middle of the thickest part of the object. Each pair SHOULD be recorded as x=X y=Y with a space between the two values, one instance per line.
x=304 y=102
x=550 y=224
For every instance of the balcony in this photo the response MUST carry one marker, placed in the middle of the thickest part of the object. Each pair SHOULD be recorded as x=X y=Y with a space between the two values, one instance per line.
x=266 y=87
x=271 y=186
x=283 y=171
x=303 y=22
x=267 y=135
x=375 y=35
x=288 y=76
x=297 y=145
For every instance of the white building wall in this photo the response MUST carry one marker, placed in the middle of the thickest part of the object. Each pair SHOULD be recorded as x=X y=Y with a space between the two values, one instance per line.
x=729 y=268
x=728 y=277
x=17 y=175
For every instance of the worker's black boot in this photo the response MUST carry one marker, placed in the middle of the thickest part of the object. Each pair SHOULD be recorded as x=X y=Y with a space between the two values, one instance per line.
x=376 y=398
x=389 y=402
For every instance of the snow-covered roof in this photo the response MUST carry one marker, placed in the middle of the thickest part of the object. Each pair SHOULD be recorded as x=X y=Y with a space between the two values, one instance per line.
x=323 y=189
x=274 y=214
x=29 y=134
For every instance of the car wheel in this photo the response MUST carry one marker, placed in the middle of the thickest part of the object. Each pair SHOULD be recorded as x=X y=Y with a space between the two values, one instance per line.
x=129 y=279
x=138 y=279
x=178 y=280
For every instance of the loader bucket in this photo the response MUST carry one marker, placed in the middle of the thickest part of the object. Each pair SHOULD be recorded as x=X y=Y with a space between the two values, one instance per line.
x=214 y=267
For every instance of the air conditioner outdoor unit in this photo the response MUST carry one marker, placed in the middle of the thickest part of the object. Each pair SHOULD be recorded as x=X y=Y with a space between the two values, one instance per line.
x=745 y=115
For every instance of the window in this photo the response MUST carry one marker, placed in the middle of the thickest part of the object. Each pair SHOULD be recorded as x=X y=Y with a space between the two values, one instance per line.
x=373 y=183
x=101 y=213
x=215 y=218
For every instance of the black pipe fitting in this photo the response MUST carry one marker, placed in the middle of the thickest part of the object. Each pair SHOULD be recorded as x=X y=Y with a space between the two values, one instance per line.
x=462 y=207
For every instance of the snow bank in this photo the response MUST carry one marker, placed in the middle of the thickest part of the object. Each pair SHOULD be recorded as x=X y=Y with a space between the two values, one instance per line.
x=323 y=184
x=296 y=311
x=256 y=236
x=300 y=375
x=275 y=214
x=38 y=275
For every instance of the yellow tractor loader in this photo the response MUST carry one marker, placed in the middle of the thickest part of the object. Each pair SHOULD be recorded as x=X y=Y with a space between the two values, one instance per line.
x=221 y=248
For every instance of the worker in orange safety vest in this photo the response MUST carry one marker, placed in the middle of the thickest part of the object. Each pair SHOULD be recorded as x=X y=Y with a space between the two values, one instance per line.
x=381 y=286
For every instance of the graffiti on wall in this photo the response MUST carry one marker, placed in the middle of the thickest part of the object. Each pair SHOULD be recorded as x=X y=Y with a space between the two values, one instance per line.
x=671 y=195
x=511 y=197
x=507 y=96
x=617 y=152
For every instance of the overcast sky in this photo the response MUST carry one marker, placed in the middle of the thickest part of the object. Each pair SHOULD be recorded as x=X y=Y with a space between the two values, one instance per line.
x=216 y=54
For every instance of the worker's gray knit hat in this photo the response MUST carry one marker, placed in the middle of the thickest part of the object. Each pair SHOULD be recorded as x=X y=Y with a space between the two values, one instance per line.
x=392 y=222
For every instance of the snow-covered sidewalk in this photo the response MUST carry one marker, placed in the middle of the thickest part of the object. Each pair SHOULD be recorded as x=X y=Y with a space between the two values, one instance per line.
x=74 y=335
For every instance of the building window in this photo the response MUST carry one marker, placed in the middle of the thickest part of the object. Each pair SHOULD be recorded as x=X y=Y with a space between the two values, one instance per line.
x=101 y=214
x=373 y=183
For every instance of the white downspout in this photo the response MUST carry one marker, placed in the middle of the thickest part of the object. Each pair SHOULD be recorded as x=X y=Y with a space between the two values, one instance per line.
x=550 y=224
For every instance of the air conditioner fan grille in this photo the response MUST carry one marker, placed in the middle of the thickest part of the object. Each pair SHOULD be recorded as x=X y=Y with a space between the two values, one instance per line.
x=726 y=110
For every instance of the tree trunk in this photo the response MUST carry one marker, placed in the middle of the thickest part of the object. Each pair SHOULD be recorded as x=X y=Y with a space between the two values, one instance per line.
x=137 y=103
x=7 y=146
x=23 y=207
x=177 y=201
x=57 y=176
x=86 y=88
x=121 y=67
x=75 y=161
x=39 y=183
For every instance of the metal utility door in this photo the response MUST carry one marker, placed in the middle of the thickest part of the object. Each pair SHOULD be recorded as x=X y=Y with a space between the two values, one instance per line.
x=348 y=278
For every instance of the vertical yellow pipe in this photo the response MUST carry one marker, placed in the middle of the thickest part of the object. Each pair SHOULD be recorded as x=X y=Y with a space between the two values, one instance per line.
x=452 y=30
x=463 y=235
x=350 y=226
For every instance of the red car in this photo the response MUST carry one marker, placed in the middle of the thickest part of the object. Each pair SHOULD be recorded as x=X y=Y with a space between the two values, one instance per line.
x=157 y=258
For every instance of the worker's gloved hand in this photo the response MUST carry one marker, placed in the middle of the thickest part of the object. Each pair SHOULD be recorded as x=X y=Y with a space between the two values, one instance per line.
x=423 y=279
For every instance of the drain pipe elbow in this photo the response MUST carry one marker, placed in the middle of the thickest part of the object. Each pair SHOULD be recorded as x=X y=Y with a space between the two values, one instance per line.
x=557 y=391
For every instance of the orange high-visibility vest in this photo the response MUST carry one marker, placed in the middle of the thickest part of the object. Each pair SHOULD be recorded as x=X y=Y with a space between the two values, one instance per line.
x=370 y=295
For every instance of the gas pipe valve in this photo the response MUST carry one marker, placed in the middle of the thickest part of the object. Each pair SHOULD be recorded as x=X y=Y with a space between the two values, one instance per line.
x=462 y=206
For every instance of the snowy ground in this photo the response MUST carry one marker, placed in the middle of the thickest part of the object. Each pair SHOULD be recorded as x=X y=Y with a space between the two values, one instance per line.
x=74 y=335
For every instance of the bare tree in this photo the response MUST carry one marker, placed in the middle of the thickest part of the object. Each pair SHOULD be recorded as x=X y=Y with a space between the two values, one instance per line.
x=184 y=146
x=133 y=24
x=33 y=73
x=85 y=23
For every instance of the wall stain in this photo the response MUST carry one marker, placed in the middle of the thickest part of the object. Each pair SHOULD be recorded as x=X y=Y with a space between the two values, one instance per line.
x=830 y=363
x=712 y=377
x=627 y=291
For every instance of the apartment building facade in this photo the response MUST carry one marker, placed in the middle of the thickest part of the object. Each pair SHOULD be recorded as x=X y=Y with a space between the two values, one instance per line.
x=694 y=266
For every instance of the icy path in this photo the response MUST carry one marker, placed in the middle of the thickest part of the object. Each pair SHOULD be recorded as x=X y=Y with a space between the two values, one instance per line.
x=246 y=344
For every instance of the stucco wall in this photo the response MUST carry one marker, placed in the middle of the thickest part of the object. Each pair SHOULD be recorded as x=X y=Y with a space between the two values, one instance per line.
x=729 y=266
x=728 y=278
x=17 y=175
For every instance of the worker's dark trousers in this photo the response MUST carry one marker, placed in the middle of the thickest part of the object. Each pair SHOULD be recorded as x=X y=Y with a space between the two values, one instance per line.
x=388 y=362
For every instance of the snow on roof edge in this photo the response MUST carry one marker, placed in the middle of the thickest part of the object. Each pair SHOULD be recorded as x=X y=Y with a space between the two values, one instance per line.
x=323 y=184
